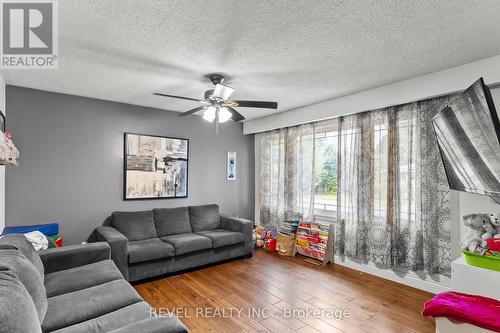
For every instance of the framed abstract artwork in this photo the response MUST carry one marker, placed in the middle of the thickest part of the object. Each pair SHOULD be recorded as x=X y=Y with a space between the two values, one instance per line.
x=231 y=165
x=155 y=167
x=2 y=121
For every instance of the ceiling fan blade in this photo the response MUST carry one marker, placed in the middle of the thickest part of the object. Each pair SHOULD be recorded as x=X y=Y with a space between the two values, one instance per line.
x=187 y=113
x=236 y=116
x=180 y=97
x=254 y=104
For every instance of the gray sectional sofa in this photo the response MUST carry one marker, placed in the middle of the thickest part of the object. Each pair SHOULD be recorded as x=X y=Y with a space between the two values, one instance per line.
x=70 y=289
x=161 y=241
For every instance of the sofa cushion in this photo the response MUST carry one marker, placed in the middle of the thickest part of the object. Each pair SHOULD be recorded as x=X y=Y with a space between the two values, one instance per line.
x=21 y=243
x=17 y=310
x=171 y=221
x=149 y=249
x=186 y=243
x=134 y=225
x=112 y=320
x=223 y=237
x=72 y=308
x=81 y=277
x=29 y=276
x=204 y=217
x=155 y=325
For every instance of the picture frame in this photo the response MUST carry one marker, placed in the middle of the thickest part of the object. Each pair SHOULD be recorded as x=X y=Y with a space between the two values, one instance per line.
x=155 y=167
x=2 y=121
x=231 y=165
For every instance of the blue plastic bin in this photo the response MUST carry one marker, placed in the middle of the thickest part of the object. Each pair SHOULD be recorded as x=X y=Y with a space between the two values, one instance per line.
x=49 y=229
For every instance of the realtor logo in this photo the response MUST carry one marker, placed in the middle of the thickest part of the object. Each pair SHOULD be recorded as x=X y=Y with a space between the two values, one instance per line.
x=29 y=34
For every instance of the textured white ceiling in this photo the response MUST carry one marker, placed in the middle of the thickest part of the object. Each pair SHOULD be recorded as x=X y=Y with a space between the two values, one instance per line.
x=294 y=52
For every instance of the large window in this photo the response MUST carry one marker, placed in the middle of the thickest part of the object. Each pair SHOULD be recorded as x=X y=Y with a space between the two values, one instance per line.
x=325 y=173
x=326 y=141
x=326 y=167
x=377 y=175
x=408 y=145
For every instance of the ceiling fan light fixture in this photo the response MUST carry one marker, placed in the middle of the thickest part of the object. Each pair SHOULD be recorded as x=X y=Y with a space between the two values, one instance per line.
x=224 y=115
x=222 y=91
x=217 y=106
x=209 y=114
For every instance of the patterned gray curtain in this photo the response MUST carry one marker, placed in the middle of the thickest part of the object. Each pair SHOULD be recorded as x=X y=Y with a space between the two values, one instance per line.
x=394 y=201
x=272 y=178
x=287 y=174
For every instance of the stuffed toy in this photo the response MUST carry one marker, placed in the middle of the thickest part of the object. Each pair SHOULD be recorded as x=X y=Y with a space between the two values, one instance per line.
x=257 y=236
x=478 y=224
x=495 y=223
x=489 y=230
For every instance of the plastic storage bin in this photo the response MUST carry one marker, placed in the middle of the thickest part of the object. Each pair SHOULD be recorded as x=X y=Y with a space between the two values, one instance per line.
x=488 y=262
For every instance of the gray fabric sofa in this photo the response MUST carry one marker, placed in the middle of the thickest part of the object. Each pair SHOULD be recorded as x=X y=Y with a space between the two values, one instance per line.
x=70 y=289
x=161 y=241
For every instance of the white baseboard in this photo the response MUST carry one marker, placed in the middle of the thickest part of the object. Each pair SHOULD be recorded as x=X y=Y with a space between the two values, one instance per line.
x=420 y=280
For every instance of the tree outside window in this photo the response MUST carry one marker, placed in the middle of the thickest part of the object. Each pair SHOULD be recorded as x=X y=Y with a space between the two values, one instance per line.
x=325 y=179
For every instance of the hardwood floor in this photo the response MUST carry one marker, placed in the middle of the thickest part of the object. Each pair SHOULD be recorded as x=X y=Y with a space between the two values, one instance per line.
x=218 y=298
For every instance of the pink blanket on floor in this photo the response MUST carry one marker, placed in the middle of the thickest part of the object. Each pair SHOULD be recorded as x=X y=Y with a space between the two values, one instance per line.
x=473 y=309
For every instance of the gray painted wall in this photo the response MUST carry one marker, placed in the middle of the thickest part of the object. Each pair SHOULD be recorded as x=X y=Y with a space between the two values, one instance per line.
x=71 y=160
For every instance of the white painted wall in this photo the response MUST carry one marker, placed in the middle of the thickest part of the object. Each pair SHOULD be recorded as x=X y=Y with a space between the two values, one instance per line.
x=2 y=168
x=257 y=139
x=431 y=85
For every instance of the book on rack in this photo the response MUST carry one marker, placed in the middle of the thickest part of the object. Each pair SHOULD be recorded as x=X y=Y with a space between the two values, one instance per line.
x=289 y=227
x=312 y=239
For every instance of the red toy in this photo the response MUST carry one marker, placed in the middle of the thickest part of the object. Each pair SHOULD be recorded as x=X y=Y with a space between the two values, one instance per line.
x=493 y=244
x=270 y=241
x=270 y=245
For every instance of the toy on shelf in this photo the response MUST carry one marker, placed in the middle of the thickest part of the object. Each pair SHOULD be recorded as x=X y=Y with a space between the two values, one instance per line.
x=481 y=245
x=493 y=244
x=315 y=240
x=480 y=228
x=495 y=225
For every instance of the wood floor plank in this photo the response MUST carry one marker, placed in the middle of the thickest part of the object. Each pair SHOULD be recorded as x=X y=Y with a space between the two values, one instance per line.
x=307 y=329
x=275 y=326
x=267 y=285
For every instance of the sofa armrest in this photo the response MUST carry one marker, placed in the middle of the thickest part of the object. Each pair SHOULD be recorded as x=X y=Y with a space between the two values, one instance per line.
x=61 y=258
x=119 y=246
x=239 y=224
x=154 y=325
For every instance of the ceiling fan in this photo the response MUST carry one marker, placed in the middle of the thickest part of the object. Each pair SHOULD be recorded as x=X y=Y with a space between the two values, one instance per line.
x=217 y=107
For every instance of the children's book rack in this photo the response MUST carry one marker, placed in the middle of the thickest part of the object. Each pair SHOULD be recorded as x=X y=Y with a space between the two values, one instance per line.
x=315 y=240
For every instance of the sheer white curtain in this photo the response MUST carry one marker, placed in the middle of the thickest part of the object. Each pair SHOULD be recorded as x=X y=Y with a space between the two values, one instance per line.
x=363 y=186
x=272 y=178
x=287 y=174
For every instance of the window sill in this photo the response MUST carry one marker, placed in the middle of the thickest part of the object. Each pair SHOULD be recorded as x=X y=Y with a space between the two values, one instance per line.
x=328 y=219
